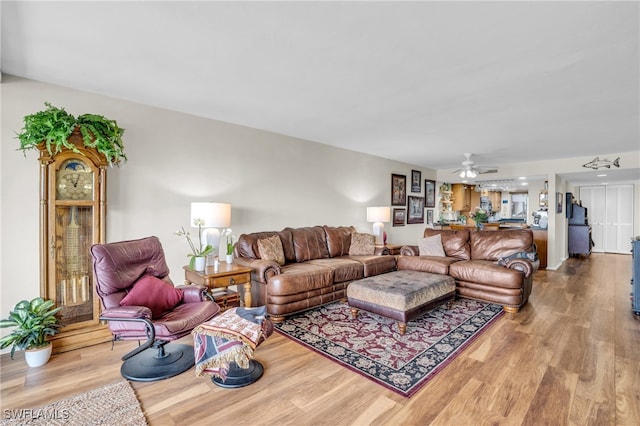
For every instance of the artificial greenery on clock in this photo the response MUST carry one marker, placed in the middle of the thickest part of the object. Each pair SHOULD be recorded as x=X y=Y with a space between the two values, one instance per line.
x=53 y=126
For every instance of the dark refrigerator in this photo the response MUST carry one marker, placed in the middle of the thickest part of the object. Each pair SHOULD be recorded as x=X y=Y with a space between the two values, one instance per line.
x=580 y=241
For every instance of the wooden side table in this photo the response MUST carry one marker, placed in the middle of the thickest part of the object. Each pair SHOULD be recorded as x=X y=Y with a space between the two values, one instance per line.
x=394 y=249
x=218 y=282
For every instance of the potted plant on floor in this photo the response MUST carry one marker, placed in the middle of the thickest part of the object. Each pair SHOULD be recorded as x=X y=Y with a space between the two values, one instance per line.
x=34 y=320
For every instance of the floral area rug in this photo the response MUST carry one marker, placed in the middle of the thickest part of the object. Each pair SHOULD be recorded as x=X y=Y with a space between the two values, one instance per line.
x=372 y=346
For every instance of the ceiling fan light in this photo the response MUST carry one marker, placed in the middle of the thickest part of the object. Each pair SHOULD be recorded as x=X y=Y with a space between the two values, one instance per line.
x=463 y=173
x=471 y=173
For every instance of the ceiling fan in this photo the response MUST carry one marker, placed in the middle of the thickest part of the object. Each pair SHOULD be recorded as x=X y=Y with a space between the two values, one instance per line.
x=470 y=170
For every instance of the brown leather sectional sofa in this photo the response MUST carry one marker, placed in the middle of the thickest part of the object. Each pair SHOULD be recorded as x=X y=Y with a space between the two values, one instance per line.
x=473 y=259
x=317 y=269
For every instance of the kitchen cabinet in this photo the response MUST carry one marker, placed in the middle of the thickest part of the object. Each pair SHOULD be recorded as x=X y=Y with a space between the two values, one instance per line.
x=461 y=197
x=496 y=200
x=540 y=238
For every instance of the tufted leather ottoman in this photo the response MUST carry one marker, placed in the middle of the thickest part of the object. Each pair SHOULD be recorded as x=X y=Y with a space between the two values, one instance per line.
x=400 y=295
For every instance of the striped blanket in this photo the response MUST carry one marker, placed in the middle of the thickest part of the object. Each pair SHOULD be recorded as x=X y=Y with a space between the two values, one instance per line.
x=229 y=337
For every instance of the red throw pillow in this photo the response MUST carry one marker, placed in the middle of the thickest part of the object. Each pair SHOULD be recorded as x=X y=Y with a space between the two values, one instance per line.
x=155 y=294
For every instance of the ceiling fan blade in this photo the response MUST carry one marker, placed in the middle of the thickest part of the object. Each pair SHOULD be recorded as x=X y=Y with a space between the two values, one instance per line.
x=485 y=171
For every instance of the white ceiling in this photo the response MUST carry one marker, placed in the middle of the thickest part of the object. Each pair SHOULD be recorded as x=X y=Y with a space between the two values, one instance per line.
x=418 y=82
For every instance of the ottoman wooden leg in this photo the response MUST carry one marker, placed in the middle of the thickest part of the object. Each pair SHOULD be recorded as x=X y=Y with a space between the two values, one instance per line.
x=354 y=312
x=402 y=327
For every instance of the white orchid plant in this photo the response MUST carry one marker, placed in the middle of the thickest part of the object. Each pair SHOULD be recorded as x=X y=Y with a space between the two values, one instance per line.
x=227 y=233
x=200 y=250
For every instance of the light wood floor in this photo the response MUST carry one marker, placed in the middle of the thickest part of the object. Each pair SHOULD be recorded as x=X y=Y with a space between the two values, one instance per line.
x=570 y=357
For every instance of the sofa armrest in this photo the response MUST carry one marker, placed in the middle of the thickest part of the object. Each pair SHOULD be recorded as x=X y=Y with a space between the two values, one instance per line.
x=381 y=250
x=193 y=293
x=524 y=265
x=409 y=251
x=262 y=269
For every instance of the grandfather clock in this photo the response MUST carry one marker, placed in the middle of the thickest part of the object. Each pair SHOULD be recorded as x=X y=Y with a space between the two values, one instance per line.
x=72 y=217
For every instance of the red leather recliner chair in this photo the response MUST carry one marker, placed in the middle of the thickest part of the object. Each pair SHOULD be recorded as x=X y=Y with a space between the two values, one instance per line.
x=140 y=302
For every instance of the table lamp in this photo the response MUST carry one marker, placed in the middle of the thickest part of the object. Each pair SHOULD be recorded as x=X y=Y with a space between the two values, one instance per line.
x=211 y=216
x=378 y=215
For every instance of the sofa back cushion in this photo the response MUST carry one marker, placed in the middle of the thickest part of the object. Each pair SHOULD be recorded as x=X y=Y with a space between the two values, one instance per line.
x=338 y=239
x=492 y=246
x=247 y=245
x=454 y=243
x=309 y=243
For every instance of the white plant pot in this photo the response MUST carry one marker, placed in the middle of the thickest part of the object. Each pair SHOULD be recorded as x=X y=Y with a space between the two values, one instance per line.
x=38 y=357
x=229 y=258
x=200 y=263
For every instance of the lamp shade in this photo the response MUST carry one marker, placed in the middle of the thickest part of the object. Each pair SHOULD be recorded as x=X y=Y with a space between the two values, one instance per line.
x=378 y=214
x=211 y=215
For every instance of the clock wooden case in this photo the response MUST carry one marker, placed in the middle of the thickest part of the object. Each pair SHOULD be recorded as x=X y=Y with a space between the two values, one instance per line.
x=72 y=217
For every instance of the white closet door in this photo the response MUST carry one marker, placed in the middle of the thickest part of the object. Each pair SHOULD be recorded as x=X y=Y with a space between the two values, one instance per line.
x=619 y=218
x=610 y=214
x=593 y=198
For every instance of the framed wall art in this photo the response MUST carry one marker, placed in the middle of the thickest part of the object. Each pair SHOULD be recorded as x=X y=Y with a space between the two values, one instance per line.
x=399 y=217
x=398 y=190
x=430 y=192
x=415 y=209
x=416 y=181
x=429 y=216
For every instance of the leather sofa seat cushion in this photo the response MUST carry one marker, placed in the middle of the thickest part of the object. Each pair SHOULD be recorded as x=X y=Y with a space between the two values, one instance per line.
x=309 y=243
x=432 y=264
x=486 y=272
x=299 y=278
x=455 y=243
x=338 y=239
x=493 y=246
x=375 y=264
x=343 y=269
x=247 y=245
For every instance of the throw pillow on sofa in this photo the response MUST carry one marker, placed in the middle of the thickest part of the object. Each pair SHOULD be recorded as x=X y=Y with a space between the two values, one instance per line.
x=431 y=246
x=362 y=244
x=155 y=294
x=271 y=249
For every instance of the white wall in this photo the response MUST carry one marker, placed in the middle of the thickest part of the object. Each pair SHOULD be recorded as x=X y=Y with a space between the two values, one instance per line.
x=272 y=181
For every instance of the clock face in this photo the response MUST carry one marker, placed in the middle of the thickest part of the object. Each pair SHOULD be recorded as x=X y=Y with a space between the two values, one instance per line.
x=75 y=181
